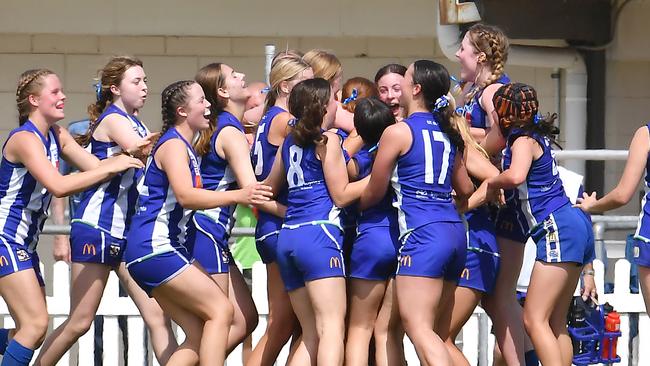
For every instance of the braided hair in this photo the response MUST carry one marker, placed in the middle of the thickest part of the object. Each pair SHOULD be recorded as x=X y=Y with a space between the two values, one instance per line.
x=494 y=44
x=434 y=83
x=111 y=74
x=29 y=83
x=173 y=96
x=517 y=107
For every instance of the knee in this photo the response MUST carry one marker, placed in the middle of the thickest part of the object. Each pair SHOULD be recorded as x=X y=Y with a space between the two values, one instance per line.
x=156 y=321
x=35 y=329
x=530 y=322
x=78 y=326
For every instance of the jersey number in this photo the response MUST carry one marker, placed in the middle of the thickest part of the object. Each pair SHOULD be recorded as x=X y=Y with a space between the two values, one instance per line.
x=429 y=172
x=295 y=175
x=257 y=152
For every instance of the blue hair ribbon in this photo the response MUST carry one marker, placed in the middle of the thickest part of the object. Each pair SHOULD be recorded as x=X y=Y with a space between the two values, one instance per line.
x=98 y=90
x=441 y=103
x=352 y=97
x=538 y=118
x=265 y=90
x=292 y=122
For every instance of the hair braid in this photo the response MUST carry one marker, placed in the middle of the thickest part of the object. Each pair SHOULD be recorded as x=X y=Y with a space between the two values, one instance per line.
x=174 y=96
x=494 y=44
x=29 y=83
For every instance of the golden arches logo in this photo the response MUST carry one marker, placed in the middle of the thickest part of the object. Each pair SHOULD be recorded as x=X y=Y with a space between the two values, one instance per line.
x=406 y=261
x=3 y=261
x=465 y=274
x=335 y=262
x=89 y=248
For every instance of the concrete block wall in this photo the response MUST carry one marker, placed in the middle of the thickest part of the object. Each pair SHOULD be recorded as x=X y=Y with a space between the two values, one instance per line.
x=77 y=58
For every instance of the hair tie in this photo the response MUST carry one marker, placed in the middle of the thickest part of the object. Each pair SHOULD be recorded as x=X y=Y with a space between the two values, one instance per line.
x=352 y=97
x=292 y=122
x=265 y=90
x=98 y=90
x=538 y=118
x=441 y=103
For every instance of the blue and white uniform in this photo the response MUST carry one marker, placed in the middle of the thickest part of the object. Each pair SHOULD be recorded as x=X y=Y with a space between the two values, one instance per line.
x=483 y=259
x=213 y=225
x=642 y=234
x=263 y=155
x=474 y=113
x=160 y=247
x=482 y=263
x=98 y=230
x=310 y=241
x=23 y=207
x=431 y=231
x=562 y=233
x=374 y=252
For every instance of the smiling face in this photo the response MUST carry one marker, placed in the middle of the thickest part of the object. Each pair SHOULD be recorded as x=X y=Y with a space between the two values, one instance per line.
x=132 y=89
x=50 y=102
x=468 y=57
x=197 y=109
x=390 y=91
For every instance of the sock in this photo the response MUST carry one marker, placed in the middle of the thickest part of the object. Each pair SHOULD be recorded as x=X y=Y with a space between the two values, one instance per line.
x=17 y=355
x=4 y=336
x=531 y=358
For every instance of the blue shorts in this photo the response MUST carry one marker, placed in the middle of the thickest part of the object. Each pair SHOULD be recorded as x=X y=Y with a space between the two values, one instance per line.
x=155 y=271
x=15 y=257
x=267 y=247
x=374 y=253
x=482 y=263
x=92 y=245
x=211 y=245
x=564 y=236
x=436 y=250
x=310 y=252
x=642 y=253
x=511 y=224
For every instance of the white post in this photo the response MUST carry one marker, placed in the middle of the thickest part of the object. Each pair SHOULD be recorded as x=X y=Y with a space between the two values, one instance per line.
x=269 y=53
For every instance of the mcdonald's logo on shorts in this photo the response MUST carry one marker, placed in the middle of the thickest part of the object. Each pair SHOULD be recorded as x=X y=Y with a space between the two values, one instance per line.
x=3 y=261
x=406 y=261
x=335 y=262
x=89 y=248
x=465 y=274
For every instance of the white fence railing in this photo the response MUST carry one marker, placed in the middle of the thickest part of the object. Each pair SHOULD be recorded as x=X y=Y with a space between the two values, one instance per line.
x=475 y=339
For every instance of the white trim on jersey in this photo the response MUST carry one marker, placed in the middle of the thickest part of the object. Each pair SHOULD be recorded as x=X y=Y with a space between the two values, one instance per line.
x=401 y=216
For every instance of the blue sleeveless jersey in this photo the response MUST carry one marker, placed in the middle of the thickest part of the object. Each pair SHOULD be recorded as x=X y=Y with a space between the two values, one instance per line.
x=109 y=206
x=383 y=213
x=23 y=200
x=217 y=175
x=161 y=222
x=262 y=157
x=542 y=192
x=643 y=226
x=474 y=113
x=422 y=177
x=308 y=200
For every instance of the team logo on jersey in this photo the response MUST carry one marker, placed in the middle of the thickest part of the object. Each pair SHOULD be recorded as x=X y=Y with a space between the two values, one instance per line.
x=22 y=255
x=465 y=274
x=3 y=261
x=335 y=262
x=88 y=249
x=405 y=261
x=115 y=250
